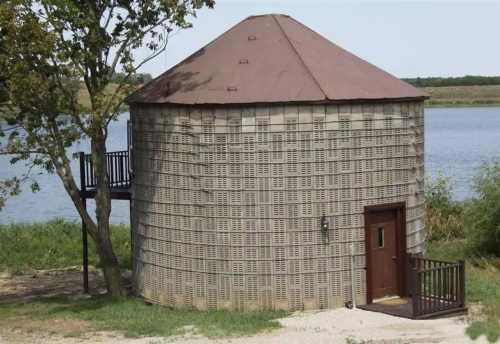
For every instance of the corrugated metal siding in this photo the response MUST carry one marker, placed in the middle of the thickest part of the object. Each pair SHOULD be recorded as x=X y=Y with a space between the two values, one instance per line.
x=227 y=202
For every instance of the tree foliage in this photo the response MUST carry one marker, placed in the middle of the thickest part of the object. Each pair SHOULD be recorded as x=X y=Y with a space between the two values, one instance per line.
x=47 y=49
x=483 y=215
x=138 y=78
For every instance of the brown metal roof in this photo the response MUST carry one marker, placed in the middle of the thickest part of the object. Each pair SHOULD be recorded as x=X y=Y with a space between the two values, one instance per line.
x=272 y=58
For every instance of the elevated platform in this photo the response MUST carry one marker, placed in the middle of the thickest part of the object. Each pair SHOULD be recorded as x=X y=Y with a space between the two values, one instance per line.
x=119 y=175
x=118 y=193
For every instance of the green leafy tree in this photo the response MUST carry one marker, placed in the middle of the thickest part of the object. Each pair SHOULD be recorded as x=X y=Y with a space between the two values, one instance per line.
x=48 y=49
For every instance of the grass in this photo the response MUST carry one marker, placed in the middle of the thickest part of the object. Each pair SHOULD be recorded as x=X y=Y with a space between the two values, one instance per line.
x=57 y=244
x=482 y=285
x=463 y=95
x=133 y=318
x=53 y=244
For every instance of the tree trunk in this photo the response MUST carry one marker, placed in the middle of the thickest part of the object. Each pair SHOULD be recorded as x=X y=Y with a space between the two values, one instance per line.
x=99 y=232
x=107 y=257
x=110 y=267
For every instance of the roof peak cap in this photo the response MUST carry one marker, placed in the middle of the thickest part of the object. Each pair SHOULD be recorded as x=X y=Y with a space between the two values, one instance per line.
x=269 y=15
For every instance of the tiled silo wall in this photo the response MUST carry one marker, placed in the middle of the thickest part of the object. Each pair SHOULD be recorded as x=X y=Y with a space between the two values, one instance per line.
x=227 y=201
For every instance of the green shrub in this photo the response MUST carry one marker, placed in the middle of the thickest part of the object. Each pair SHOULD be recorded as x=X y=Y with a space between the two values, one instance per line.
x=438 y=192
x=444 y=216
x=483 y=214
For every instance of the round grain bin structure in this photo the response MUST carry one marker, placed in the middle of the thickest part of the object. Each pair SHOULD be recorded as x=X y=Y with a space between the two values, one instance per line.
x=263 y=163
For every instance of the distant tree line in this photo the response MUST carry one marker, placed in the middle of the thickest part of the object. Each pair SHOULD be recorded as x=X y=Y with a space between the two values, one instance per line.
x=468 y=80
x=137 y=78
x=118 y=78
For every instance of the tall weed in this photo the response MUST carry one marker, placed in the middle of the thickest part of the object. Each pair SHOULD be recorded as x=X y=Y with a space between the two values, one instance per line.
x=444 y=216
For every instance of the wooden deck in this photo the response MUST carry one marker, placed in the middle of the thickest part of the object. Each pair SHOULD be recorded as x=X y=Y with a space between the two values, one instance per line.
x=436 y=288
x=400 y=307
x=403 y=307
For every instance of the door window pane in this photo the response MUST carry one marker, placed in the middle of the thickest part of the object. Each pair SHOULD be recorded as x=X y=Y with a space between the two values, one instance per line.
x=380 y=237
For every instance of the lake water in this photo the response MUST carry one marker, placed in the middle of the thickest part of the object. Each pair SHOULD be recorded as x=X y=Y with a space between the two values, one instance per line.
x=52 y=201
x=457 y=142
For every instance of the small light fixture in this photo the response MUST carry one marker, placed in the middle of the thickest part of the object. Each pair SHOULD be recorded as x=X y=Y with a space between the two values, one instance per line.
x=324 y=229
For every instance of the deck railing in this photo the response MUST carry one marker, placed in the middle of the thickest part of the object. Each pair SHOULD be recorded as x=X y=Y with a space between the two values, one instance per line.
x=436 y=286
x=118 y=167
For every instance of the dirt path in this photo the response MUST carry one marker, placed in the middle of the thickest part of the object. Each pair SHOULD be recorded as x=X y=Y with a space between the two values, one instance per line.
x=47 y=283
x=335 y=326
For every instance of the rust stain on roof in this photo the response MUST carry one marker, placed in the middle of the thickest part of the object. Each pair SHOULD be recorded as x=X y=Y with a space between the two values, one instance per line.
x=272 y=58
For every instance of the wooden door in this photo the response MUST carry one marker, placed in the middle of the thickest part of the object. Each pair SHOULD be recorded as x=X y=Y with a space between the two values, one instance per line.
x=385 y=252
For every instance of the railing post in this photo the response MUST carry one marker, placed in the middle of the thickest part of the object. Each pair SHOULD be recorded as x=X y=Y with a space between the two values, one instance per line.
x=129 y=147
x=83 y=196
x=461 y=265
x=85 y=253
x=412 y=265
x=82 y=171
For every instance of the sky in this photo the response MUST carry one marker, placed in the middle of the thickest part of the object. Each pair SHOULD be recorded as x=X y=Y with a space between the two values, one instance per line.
x=405 y=38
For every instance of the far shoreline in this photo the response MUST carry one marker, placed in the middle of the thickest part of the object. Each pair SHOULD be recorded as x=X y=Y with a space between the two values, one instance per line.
x=463 y=96
x=452 y=105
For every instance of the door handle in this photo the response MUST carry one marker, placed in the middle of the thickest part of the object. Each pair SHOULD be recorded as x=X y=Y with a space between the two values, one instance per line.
x=394 y=258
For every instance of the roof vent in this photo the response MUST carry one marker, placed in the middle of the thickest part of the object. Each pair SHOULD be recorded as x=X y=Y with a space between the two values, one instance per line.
x=252 y=38
x=243 y=61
